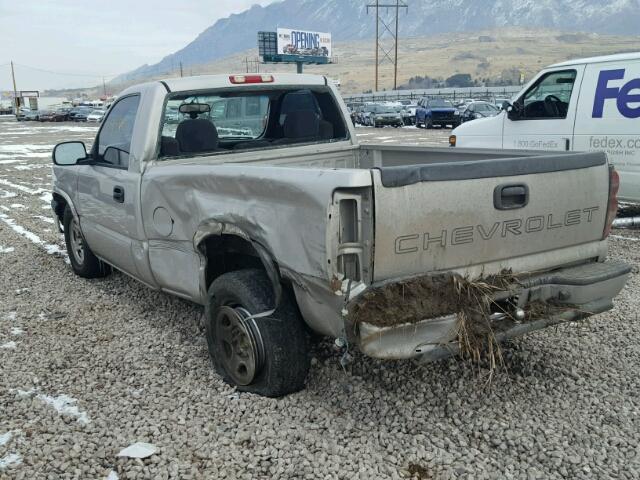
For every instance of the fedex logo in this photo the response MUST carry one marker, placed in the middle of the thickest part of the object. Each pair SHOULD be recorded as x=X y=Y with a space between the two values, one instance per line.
x=628 y=103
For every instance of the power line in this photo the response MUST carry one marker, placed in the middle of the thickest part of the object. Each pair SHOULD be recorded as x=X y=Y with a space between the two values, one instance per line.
x=68 y=74
x=386 y=24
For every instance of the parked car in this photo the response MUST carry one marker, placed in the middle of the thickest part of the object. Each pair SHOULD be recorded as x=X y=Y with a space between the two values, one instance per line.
x=96 y=116
x=22 y=113
x=61 y=115
x=47 y=115
x=409 y=113
x=478 y=109
x=84 y=110
x=82 y=114
x=31 y=116
x=587 y=104
x=365 y=113
x=433 y=112
x=299 y=227
x=383 y=114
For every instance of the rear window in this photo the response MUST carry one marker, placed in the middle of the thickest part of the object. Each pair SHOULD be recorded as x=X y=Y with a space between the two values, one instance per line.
x=222 y=121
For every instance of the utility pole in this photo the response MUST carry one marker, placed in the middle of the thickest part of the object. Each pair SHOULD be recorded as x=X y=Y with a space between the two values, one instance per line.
x=386 y=24
x=181 y=69
x=16 y=101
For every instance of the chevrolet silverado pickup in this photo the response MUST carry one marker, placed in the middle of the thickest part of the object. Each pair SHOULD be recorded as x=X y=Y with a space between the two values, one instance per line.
x=280 y=224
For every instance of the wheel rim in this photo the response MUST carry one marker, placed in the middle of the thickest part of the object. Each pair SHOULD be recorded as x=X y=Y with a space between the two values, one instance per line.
x=239 y=344
x=77 y=242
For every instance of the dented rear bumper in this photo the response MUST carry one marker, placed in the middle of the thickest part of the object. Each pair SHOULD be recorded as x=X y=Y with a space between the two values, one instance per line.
x=579 y=291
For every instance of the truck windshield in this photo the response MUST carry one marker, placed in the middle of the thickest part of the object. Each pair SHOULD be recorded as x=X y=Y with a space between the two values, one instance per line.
x=440 y=103
x=386 y=109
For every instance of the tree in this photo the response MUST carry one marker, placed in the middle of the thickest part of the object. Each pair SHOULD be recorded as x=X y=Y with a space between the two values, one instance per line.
x=460 y=80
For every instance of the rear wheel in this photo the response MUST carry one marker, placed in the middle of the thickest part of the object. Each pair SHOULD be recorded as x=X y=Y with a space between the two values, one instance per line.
x=418 y=124
x=83 y=262
x=429 y=123
x=269 y=355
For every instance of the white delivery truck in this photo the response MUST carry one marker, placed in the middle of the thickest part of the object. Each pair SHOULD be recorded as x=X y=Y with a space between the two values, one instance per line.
x=591 y=104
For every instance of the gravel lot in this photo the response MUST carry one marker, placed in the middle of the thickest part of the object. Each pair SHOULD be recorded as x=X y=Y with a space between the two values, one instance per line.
x=91 y=367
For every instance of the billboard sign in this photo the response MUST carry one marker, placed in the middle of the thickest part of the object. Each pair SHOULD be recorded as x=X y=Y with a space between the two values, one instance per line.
x=303 y=42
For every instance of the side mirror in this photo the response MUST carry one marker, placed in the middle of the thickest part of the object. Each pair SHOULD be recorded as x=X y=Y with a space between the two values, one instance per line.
x=514 y=112
x=68 y=153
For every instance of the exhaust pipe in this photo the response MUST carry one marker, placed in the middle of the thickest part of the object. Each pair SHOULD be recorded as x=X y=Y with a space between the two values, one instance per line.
x=627 y=222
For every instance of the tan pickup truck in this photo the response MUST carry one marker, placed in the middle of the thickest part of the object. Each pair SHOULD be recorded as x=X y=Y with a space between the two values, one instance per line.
x=250 y=195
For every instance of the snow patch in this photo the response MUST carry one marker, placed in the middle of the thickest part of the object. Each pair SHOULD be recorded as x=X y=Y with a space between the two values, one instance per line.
x=5 y=162
x=11 y=459
x=5 y=437
x=63 y=404
x=16 y=331
x=5 y=194
x=17 y=206
x=11 y=316
x=21 y=149
x=22 y=188
x=32 y=237
x=138 y=450
x=43 y=218
x=9 y=345
x=30 y=166
x=6 y=249
x=112 y=475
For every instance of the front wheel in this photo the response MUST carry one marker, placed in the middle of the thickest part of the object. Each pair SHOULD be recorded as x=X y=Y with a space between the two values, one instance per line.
x=269 y=355
x=83 y=261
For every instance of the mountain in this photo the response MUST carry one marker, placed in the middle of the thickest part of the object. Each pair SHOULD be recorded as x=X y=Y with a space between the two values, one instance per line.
x=349 y=20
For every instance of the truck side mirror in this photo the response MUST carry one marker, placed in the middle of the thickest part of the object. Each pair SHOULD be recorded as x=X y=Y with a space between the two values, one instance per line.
x=68 y=153
x=514 y=111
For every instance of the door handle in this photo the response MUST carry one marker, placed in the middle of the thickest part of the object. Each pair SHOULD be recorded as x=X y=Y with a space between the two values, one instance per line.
x=510 y=196
x=118 y=194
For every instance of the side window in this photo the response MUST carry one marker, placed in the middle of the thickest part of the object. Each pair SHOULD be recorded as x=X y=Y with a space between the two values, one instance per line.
x=114 y=141
x=218 y=110
x=253 y=106
x=550 y=96
x=234 y=108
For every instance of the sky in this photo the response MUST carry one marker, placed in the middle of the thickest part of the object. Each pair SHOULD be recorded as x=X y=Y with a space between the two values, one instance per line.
x=83 y=41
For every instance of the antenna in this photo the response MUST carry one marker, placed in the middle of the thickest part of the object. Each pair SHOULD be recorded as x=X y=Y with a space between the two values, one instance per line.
x=385 y=23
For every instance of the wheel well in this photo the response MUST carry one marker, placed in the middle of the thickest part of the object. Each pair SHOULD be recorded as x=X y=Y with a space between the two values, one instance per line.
x=59 y=204
x=227 y=253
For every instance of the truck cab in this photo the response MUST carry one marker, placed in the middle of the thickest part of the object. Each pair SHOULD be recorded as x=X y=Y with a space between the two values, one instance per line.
x=588 y=104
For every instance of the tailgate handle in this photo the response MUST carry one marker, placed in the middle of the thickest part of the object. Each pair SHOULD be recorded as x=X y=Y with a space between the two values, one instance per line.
x=118 y=194
x=510 y=196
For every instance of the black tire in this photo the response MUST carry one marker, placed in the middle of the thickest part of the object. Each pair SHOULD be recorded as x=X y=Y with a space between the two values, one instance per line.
x=86 y=265
x=418 y=124
x=428 y=123
x=280 y=341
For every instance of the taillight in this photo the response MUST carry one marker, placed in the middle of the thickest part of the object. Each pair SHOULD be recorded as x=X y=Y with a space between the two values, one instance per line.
x=612 y=208
x=239 y=79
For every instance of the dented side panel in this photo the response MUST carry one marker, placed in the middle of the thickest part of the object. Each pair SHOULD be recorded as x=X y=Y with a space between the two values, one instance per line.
x=283 y=209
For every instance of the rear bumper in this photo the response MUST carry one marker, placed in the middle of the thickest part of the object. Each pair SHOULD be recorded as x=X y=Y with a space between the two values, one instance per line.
x=580 y=291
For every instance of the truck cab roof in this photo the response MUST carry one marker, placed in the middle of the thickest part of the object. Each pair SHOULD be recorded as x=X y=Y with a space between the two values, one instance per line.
x=604 y=58
x=184 y=84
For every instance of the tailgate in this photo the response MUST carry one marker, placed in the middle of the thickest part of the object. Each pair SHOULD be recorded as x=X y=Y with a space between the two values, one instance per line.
x=459 y=214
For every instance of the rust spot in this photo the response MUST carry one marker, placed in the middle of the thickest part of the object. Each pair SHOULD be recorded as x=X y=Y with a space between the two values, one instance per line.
x=335 y=284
